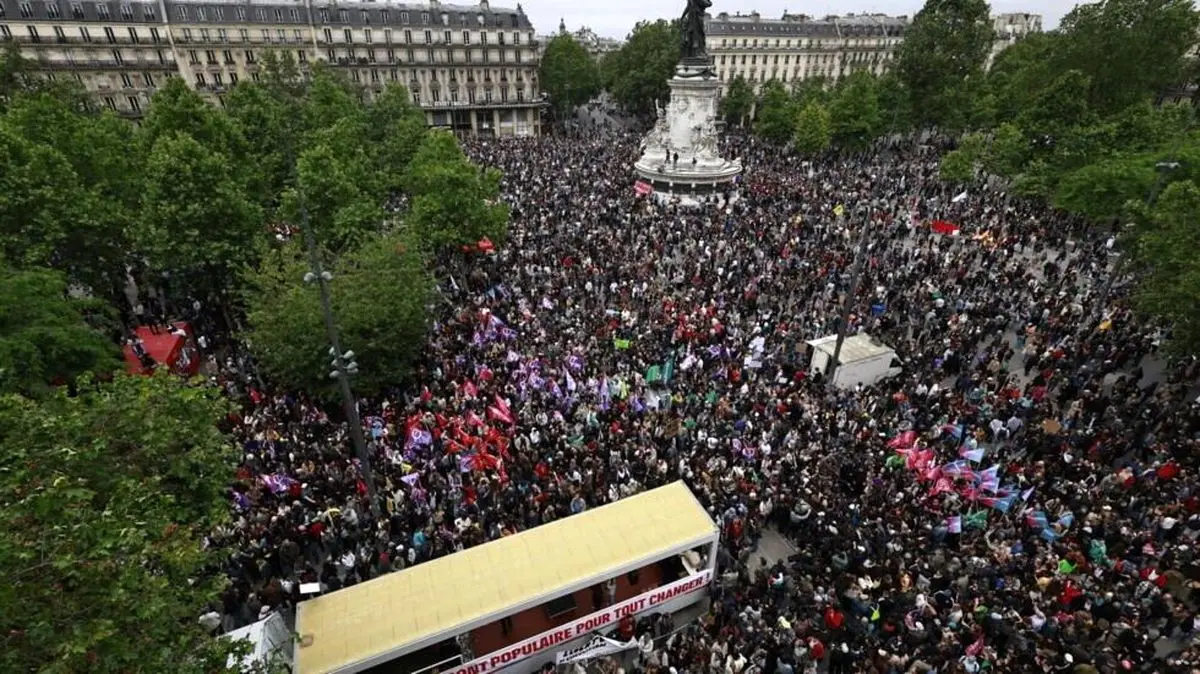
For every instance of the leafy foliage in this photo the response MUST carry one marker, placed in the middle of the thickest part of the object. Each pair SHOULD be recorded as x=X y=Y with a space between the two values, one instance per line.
x=45 y=335
x=813 y=129
x=776 y=118
x=943 y=50
x=738 y=101
x=453 y=202
x=379 y=295
x=1170 y=269
x=637 y=73
x=568 y=73
x=107 y=496
x=855 y=111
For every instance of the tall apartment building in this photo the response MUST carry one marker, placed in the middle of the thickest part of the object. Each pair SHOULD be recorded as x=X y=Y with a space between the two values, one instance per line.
x=1012 y=27
x=470 y=67
x=797 y=47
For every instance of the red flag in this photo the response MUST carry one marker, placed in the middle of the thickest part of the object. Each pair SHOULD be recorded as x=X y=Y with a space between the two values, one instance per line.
x=485 y=245
x=474 y=420
x=498 y=414
x=469 y=389
x=642 y=188
x=944 y=227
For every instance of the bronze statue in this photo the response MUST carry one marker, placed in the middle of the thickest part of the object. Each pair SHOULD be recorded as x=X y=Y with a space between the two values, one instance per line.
x=693 y=29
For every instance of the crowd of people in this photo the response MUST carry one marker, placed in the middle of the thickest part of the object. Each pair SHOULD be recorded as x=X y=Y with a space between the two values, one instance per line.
x=1022 y=497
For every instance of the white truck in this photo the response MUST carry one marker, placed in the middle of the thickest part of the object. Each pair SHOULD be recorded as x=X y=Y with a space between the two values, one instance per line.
x=863 y=360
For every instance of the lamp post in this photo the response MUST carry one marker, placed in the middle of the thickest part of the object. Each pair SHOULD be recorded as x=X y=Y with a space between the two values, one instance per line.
x=848 y=303
x=344 y=364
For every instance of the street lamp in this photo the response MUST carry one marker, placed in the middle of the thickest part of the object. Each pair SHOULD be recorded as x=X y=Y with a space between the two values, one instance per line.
x=343 y=362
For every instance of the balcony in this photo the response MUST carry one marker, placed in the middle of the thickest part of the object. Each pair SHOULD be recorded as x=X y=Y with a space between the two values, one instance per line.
x=101 y=64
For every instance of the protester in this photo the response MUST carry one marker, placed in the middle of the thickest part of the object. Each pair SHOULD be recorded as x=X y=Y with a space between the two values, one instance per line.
x=1021 y=498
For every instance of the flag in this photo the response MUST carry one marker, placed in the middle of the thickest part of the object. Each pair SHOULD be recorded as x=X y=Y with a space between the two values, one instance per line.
x=277 y=483
x=1002 y=503
x=642 y=188
x=972 y=455
x=989 y=479
x=498 y=414
x=904 y=440
x=959 y=197
x=958 y=469
x=839 y=210
x=474 y=420
x=1066 y=520
x=941 y=485
x=1026 y=494
x=954 y=524
x=418 y=437
x=919 y=459
x=622 y=344
x=976 y=519
x=1065 y=567
x=605 y=394
x=1049 y=535
x=669 y=370
x=653 y=374
x=894 y=461
x=469 y=389
x=1036 y=519
x=943 y=227
x=570 y=383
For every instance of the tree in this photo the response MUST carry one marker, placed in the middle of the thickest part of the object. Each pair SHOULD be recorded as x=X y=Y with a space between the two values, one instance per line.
x=379 y=294
x=337 y=186
x=1165 y=252
x=47 y=336
x=395 y=130
x=637 y=73
x=855 y=111
x=811 y=89
x=738 y=101
x=775 y=121
x=957 y=166
x=1130 y=50
x=568 y=73
x=108 y=496
x=453 y=202
x=1006 y=154
x=813 y=129
x=197 y=222
x=946 y=45
x=1100 y=191
x=895 y=104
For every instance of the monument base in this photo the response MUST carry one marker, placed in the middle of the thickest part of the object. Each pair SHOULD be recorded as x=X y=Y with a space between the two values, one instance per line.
x=681 y=157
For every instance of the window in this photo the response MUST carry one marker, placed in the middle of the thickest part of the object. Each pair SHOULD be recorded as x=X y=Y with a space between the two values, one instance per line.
x=446 y=37
x=483 y=37
x=241 y=13
x=466 y=37
x=76 y=10
x=204 y=37
x=348 y=36
x=387 y=35
x=26 y=10
x=374 y=76
x=227 y=57
x=117 y=57
x=148 y=79
x=371 y=55
x=255 y=76
x=416 y=97
x=210 y=57
x=354 y=75
x=560 y=607
x=200 y=14
x=250 y=56
x=301 y=56
x=200 y=82
x=5 y=33
x=297 y=35
x=187 y=34
x=521 y=94
x=262 y=15
x=516 y=38
x=243 y=35
x=126 y=12
x=383 y=16
x=126 y=81
x=110 y=102
x=330 y=56
x=394 y=75
x=217 y=79
x=222 y=35
x=266 y=35
x=424 y=18
x=233 y=79
x=343 y=16
x=83 y=33
x=403 y=17
x=500 y=38
x=154 y=36
x=52 y=10
x=193 y=57
x=408 y=37
x=434 y=95
x=162 y=58
x=278 y=15
x=365 y=16
x=295 y=15
x=328 y=36
x=109 y=35
x=281 y=34
x=219 y=13
x=428 y=37
x=133 y=36
x=324 y=13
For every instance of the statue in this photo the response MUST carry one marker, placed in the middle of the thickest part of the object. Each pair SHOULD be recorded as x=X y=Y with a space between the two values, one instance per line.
x=693 y=29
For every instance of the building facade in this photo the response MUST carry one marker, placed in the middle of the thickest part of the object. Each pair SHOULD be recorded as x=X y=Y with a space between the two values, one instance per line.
x=472 y=68
x=1012 y=27
x=797 y=47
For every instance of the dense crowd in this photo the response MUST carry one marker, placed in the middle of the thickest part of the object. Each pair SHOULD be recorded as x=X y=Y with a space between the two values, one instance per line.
x=1021 y=498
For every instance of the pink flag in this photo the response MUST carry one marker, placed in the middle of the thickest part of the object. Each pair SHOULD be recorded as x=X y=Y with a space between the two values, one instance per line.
x=943 y=484
x=500 y=415
x=474 y=419
x=954 y=524
x=469 y=389
x=903 y=441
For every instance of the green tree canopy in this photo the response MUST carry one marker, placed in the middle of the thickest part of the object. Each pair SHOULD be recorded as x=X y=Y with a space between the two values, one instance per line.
x=108 y=496
x=47 y=336
x=379 y=296
x=637 y=73
x=568 y=73
x=945 y=47
x=775 y=120
x=1165 y=252
x=453 y=202
x=855 y=111
x=813 y=129
x=738 y=101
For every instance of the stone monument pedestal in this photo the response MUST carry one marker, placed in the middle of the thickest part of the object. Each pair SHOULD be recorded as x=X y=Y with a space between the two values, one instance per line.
x=680 y=158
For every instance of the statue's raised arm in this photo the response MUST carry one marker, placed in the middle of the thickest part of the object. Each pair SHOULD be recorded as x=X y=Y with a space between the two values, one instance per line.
x=693 y=29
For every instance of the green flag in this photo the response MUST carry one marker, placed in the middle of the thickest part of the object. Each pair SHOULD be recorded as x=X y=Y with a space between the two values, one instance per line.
x=976 y=519
x=894 y=461
x=621 y=344
x=669 y=370
x=1065 y=567
x=711 y=397
x=653 y=374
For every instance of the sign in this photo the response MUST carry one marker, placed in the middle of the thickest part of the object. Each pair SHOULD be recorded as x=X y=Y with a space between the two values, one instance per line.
x=642 y=188
x=597 y=647
x=608 y=617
